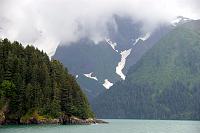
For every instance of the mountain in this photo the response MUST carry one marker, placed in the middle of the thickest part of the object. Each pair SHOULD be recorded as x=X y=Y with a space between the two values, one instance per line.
x=34 y=89
x=84 y=58
x=110 y=59
x=87 y=83
x=163 y=84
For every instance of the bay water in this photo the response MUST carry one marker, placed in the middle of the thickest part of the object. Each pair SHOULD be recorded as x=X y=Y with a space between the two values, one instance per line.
x=114 y=126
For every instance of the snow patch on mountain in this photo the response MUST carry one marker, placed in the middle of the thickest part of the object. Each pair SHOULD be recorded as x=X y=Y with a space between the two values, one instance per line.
x=121 y=64
x=113 y=45
x=89 y=75
x=143 y=38
x=76 y=76
x=107 y=84
x=175 y=21
x=179 y=19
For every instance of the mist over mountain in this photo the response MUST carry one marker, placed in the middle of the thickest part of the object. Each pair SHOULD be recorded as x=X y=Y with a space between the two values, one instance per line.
x=111 y=58
x=46 y=23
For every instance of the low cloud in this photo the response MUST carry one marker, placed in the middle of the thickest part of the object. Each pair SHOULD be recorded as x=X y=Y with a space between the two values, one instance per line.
x=46 y=23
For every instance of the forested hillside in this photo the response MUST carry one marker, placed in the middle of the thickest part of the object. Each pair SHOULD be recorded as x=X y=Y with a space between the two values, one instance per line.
x=32 y=85
x=164 y=84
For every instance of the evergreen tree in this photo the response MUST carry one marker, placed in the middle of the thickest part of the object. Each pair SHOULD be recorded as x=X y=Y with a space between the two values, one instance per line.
x=30 y=82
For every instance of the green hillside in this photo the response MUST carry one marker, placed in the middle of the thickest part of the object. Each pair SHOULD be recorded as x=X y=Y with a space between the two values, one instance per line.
x=164 y=84
x=175 y=58
x=33 y=86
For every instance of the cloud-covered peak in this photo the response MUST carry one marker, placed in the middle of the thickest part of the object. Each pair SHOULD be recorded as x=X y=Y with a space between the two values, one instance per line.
x=45 y=23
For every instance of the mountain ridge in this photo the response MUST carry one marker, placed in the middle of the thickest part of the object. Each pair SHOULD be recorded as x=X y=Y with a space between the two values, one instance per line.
x=105 y=59
x=163 y=84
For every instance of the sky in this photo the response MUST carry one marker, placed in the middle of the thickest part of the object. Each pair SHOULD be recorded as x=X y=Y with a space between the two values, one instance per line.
x=46 y=23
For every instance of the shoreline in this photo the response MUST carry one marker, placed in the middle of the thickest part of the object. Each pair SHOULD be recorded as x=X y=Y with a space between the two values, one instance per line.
x=61 y=121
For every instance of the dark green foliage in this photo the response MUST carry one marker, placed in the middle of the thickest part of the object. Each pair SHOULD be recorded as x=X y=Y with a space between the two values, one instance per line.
x=29 y=82
x=164 y=84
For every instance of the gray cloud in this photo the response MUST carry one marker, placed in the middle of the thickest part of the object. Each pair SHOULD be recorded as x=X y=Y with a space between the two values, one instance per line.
x=45 y=23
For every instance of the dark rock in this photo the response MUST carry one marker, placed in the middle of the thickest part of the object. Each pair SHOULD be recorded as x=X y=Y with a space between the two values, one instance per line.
x=12 y=121
x=100 y=121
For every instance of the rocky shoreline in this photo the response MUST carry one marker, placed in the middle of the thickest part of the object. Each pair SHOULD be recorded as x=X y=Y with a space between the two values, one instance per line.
x=64 y=120
x=77 y=121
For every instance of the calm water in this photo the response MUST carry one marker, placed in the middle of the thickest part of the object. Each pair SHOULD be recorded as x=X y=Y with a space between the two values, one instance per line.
x=115 y=126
